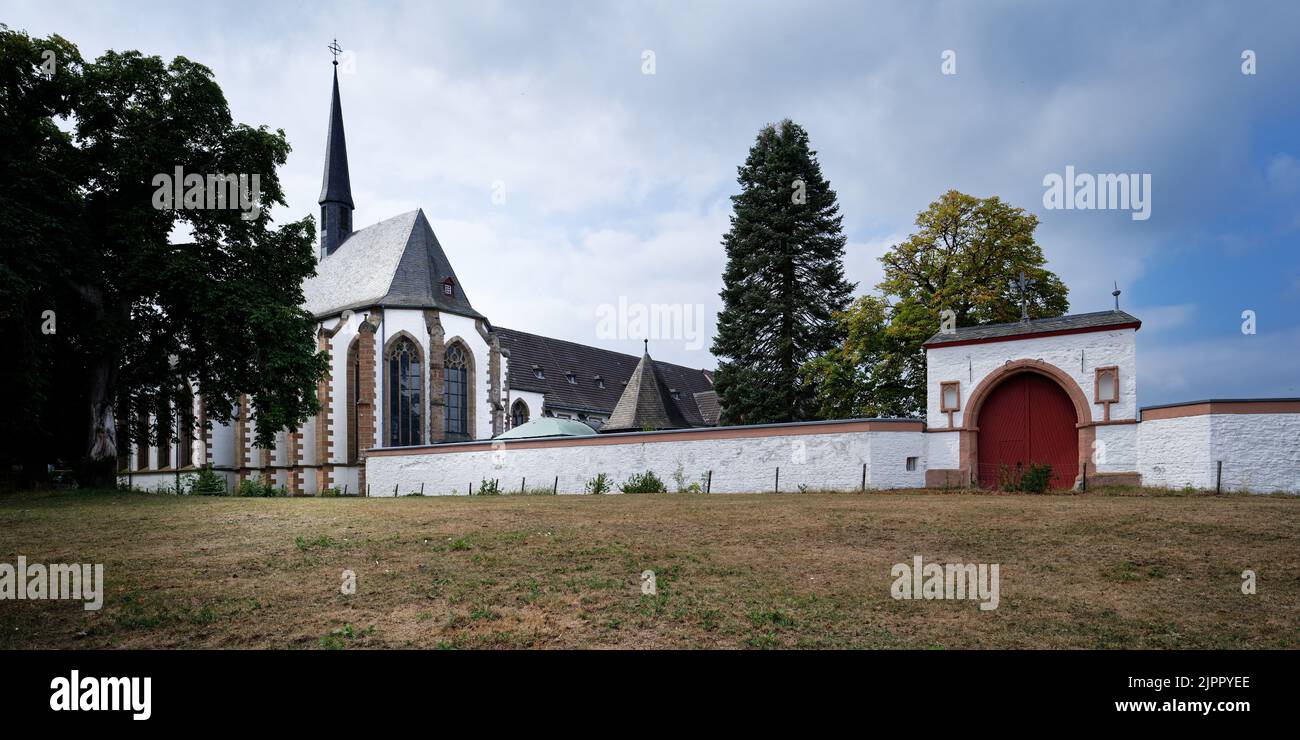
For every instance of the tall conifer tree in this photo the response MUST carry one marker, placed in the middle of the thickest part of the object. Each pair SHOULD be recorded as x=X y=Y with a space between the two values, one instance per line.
x=784 y=280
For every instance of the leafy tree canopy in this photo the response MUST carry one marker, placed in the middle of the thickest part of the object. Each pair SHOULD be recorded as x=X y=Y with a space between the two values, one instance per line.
x=139 y=315
x=962 y=258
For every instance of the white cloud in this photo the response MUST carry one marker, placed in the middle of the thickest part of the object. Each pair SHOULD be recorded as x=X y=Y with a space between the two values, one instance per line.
x=616 y=182
x=1223 y=366
x=1162 y=319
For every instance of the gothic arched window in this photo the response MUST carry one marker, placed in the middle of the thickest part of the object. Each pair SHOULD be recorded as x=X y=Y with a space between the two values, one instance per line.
x=185 y=433
x=518 y=413
x=353 y=395
x=455 y=391
x=404 y=397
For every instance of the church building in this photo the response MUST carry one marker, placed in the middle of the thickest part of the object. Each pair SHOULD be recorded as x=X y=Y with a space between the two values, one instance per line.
x=412 y=362
x=421 y=384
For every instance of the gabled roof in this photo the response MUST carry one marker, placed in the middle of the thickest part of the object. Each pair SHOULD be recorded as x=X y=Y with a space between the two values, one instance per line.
x=397 y=262
x=557 y=358
x=646 y=403
x=336 y=185
x=1073 y=324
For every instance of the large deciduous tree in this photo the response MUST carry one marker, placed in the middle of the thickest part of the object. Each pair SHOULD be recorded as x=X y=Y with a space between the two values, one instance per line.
x=963 y=258
x=138 y=316
x=783 y=282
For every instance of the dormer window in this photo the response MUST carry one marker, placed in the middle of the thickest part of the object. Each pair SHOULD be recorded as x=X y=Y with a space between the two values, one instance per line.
x=448 y=287
x=676 y=394
x=538 y=372
x=600 y=382
x=573 y=379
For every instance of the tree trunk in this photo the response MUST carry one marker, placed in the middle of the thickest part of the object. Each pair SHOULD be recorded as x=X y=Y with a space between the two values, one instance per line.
x=99 y=468
x=101 y=447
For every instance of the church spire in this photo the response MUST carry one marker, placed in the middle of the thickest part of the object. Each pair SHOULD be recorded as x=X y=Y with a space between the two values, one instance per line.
x=336 y=187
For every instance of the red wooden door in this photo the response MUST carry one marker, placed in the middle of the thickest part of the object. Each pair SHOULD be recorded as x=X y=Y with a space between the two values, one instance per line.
x=1028 y=419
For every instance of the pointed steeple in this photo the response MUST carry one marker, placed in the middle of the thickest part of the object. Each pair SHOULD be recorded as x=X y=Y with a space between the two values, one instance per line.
x=646 y=402
x=336 y=187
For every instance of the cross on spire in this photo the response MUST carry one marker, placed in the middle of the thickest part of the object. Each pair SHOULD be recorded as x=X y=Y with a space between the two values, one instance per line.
x=1023 y=284
x=646 y=343
x=335 y=49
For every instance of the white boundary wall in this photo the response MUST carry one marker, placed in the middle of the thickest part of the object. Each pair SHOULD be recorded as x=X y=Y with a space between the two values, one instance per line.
x=820 y=456
x=1260 y=452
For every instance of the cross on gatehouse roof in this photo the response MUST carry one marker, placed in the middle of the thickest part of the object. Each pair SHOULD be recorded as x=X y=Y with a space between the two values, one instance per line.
x=1023 y=285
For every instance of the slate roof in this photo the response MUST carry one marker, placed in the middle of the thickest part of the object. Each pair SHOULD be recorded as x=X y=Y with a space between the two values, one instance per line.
x=646 y=403
x=1012 y=330
x=397 y=262
x=557 y=357
x=336 y=185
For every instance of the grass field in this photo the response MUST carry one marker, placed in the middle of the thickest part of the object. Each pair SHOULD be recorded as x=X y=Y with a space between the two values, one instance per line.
x=732 y=571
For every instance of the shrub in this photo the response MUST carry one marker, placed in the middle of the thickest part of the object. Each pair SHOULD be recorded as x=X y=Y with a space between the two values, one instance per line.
x=259 y=489
x=599 y=484
x=646 y=482
x=331 y=492
x=1035 y=478
x=208 y=483
x=489 y=487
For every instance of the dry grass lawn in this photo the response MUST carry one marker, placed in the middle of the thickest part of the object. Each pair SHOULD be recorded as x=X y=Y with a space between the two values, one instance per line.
x=733 y=571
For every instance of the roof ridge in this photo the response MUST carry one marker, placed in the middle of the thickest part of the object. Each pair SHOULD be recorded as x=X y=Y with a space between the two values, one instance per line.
x=600 y=349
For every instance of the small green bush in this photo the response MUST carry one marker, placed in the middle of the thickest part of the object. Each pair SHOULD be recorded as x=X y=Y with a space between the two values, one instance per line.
x=489 y=487
x=208 y=483
x=331 y=492
x=260 y=489
x=1035 y=478
x=646 y=482
x=599 y=484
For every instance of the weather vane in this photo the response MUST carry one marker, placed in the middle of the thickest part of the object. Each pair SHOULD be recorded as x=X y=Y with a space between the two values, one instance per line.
x=1023 y=286
x=335 y=49
x=1116 y=294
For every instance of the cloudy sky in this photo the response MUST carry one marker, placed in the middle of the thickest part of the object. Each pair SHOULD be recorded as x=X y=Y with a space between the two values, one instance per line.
x=616 y=182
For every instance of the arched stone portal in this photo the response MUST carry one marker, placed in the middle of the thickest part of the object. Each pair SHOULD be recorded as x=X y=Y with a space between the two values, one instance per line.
x=1025 y=412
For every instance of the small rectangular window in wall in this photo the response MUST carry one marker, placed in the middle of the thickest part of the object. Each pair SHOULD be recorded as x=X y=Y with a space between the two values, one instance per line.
x=949 y=398
x=911 y=463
